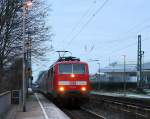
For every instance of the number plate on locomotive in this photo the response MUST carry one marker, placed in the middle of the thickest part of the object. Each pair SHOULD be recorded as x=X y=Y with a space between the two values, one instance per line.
x=72 y=83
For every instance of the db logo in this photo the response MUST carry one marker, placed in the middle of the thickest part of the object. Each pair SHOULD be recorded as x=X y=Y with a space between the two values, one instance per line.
x=72 y=83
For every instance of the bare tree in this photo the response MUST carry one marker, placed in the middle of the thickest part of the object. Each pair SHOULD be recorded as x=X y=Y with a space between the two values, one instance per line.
x=11 y=30
x=7 y=14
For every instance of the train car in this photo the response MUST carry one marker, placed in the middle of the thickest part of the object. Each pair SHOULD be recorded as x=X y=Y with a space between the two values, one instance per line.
x=67 y=80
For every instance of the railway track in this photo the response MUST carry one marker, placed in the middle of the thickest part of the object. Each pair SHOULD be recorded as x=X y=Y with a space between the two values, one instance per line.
x=108 y=108
x=131 y=107
x=82 y=113
x=92 y=112
x=136 y=102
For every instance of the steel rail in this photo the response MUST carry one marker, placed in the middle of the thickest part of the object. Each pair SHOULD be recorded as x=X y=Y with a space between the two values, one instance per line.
x=128 y=106
x=93 y=113
x=120 y=100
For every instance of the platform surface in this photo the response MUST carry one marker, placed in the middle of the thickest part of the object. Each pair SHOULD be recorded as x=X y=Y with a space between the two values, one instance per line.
x=39 y=107
x=121 y=94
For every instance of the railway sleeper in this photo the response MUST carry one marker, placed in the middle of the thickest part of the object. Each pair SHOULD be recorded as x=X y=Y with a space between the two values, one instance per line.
x=132 y=110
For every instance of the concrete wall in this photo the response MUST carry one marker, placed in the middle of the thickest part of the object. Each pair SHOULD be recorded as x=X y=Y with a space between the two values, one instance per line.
x=5 y=102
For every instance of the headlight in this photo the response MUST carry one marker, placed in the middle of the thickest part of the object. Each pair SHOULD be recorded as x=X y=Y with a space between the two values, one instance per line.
x=61 y=89
x=72 y=75
x=83 y=88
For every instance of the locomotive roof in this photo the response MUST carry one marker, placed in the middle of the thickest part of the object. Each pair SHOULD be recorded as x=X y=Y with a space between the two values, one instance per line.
x=66 y=62
x=70 y=59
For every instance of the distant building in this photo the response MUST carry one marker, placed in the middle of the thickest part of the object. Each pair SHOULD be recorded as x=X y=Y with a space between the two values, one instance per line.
x=115 y=72
x=146 y=72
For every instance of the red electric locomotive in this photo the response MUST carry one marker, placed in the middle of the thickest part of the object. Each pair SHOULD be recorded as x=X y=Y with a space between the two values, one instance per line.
x=67 y=79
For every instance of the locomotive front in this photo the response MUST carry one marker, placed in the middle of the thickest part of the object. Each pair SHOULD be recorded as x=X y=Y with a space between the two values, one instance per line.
x=72 y=79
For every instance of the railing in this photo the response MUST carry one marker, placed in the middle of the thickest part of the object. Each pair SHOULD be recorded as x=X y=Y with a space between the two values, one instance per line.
x=5 y=102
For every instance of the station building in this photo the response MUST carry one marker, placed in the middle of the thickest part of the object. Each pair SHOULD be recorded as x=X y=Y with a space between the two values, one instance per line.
x=115 y=73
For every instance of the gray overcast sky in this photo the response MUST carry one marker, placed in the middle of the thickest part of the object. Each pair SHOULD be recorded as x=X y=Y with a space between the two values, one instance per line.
x=111 y=33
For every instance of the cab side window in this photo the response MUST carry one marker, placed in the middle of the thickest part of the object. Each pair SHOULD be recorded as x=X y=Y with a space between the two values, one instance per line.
x=52 y=73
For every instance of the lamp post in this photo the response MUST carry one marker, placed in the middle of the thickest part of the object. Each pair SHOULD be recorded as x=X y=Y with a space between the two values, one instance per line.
x=99 y=86
x=25 y=6
x=142 y=70
x=124 y=75
x=96 y=60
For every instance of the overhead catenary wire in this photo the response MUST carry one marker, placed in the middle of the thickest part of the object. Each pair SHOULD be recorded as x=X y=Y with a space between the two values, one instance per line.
x=118 y=50
x=129 y=45
x=80 y=21
x=111 y=42
x=137 y=32
x=88 y=21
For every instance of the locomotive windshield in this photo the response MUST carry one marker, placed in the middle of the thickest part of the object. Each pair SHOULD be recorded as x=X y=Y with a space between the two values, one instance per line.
x=72 y=68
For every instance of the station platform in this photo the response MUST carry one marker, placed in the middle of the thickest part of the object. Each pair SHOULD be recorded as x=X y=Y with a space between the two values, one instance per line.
x=38 y=107
x=122 y=94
